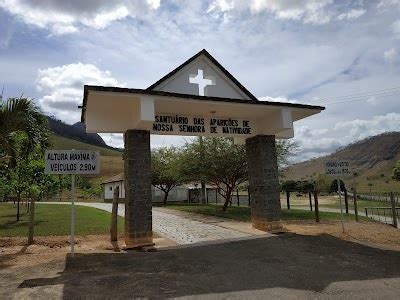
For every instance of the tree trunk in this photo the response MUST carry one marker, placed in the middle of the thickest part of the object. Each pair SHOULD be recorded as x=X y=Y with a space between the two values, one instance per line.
x=31 y=220
x=316 y=206
x=228 y=197
x=18 y=200
x=288 y=199
x=165 y=197
x=114 y=216
x=346 y=201
x=203 y=192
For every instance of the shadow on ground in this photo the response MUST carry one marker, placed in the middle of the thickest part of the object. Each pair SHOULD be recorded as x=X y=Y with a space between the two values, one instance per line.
x=309 y=263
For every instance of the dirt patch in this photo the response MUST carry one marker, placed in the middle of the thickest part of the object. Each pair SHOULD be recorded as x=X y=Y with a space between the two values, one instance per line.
x=15 y=253
x=368 y=233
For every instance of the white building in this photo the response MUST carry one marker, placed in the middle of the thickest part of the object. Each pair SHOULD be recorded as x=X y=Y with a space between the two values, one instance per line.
x=177 y=194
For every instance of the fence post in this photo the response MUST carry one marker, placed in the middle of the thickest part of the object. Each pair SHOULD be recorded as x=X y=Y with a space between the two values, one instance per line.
x=346 y=201
x=309 y=196
x=394 y=214
x=31 y=220
x=237 y=195
x=316 y=206
x=114 y=216
x=355 y=203
x=207 y=194
x=216 y=196
x=366 y=212
x=288 y=199
x=248 y=193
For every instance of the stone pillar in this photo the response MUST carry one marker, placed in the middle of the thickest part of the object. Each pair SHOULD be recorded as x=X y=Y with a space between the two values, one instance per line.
x=264 y=183
x=138 y=201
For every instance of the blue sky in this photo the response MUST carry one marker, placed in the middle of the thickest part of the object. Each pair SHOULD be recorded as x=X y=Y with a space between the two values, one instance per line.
x=308 y=51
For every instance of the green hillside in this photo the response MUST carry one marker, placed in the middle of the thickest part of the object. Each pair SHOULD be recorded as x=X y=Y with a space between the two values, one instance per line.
x=62 y=143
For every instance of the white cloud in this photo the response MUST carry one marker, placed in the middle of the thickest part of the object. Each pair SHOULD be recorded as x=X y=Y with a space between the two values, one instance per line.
x=62 y=88
x=396 y=28
x=113 y=139
x=352 y=14
x=307 y=11
x=65 y=16
x=390 y=55
x=386 y=3
x=318 y=142
x=310 y=11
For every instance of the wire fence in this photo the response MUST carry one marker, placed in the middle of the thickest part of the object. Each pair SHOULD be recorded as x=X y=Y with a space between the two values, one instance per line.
x=383 y=214
x=380 y=197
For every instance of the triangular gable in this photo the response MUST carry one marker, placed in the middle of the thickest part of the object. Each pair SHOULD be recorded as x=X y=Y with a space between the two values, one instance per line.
x=202 y=75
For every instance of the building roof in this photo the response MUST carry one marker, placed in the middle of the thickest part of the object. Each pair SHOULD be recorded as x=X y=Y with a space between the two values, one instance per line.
x=150 y=90
x=88 y=88
x=215 y=62
x=115 y=178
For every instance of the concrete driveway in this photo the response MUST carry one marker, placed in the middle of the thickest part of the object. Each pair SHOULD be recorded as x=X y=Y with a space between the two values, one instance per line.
x=181 y=228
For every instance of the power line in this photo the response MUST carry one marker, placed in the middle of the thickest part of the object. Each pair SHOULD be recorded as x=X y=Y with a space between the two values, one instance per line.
x=361 y=99
x=363 y=95
x=367 y=97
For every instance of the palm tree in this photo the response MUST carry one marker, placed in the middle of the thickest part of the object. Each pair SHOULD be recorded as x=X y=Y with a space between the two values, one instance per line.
x=20 y=115
x=23 y=133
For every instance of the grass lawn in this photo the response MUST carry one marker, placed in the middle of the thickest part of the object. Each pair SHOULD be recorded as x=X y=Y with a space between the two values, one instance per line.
x=242 y=213
x=55 y=220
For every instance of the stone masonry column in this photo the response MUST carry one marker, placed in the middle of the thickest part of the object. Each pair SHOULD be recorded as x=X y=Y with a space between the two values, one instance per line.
x=264 y=183
x=138 y=201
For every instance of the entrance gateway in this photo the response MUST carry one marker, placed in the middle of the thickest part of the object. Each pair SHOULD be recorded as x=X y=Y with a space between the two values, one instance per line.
x=198 y=98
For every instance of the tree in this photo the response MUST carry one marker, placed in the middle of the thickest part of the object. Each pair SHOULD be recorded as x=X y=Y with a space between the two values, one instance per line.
x=289 y=186
x=24 y=135
x=194 y=161
x=220 y=162
x=20 y=115
x=396 y=171
x=36 y=184
x=334 y=186
x=284 y=150
x=305 y=186
x=224 y=164
x=323 y=183
x=27 y=171
x=166 y=169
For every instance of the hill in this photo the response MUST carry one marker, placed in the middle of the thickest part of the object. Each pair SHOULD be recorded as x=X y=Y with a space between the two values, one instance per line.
x=372 y=159
x=63 y=143
x=76 y=132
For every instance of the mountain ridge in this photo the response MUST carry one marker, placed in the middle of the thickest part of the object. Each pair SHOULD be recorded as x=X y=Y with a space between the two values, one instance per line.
x=371 y=158
x=77 y=132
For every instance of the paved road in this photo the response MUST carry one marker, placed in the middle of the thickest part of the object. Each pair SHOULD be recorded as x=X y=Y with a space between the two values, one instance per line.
x=178 y=228
x=286 y=266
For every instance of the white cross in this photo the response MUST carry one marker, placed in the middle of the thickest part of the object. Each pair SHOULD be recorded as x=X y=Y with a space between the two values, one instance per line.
x=201 y=81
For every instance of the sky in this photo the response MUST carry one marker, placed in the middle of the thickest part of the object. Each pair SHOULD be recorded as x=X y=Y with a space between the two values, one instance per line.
x=344 y=55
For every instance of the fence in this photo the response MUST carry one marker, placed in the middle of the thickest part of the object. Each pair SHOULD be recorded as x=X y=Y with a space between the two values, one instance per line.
x=380 y=197
x=239 y=198
x=383 y=214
